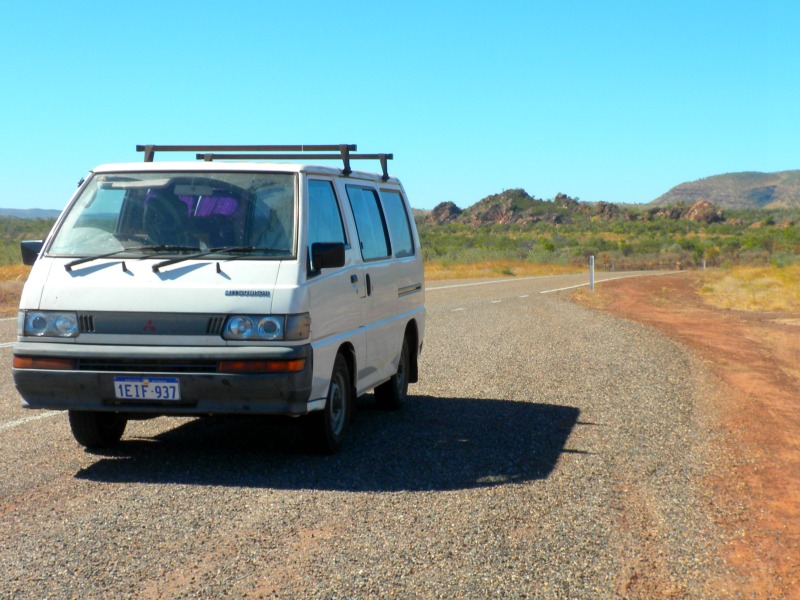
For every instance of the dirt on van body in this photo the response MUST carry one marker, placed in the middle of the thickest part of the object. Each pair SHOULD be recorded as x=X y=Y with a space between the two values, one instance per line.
x=755 y=357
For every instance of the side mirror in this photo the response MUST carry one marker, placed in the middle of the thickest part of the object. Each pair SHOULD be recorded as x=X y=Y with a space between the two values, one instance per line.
x=327 y=255
x=30 y=250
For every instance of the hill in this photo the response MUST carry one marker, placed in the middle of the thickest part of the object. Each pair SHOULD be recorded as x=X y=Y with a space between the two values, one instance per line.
x=517 y=207
x=29 y=213
x=739 y=190
x=515 y=226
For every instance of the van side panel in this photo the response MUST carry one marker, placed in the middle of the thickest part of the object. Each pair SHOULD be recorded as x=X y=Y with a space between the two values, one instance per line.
x=394 y=295
x=334 y=304
x=334 y=296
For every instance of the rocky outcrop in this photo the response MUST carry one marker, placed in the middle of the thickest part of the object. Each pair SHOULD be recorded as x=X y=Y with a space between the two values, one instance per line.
x=704 y=211
x=445 y=212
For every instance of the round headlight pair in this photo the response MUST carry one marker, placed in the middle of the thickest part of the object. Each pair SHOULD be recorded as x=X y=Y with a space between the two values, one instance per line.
x=51 y=324
x=244 y=327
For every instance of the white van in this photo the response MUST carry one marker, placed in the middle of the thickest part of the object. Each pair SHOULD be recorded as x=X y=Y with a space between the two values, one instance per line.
x=225 y=285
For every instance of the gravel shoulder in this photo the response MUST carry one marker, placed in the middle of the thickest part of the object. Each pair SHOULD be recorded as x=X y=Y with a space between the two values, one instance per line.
x=549 y=451
x=754 y=405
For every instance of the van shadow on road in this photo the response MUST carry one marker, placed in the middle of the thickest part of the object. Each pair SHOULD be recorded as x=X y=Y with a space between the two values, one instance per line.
x=431 y=444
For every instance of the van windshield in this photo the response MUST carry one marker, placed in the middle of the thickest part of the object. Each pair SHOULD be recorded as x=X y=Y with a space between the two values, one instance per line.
x=133 y=214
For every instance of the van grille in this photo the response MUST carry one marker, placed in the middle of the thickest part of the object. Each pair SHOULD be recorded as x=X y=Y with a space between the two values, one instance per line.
x=111 y=323
x=215 y=325
x=86 y=323
x=147 y=365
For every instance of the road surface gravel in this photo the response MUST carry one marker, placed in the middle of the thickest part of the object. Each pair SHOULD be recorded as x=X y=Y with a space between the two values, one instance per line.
x=754 y=359
x=549 y=451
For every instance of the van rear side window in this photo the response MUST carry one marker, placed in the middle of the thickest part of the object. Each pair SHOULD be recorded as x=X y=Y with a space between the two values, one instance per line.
x=370 y=224
x=397 y=219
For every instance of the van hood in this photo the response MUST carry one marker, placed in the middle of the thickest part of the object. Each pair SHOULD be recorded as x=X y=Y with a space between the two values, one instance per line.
x=131 y=285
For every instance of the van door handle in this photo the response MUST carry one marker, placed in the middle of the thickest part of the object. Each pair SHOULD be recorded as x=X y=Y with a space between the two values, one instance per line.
x=353 y=278
x=369 y=286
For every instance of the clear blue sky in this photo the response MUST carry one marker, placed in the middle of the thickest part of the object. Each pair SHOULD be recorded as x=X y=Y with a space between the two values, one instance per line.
x=615 y=101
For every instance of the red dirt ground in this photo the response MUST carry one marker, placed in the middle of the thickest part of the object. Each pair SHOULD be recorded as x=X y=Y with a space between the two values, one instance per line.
x=756 y=359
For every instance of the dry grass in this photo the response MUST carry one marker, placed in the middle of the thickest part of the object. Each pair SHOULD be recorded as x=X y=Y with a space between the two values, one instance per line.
x=754 y=288
x=14 y=272
x=12 y=278
x=595 y=298
x=436 y=270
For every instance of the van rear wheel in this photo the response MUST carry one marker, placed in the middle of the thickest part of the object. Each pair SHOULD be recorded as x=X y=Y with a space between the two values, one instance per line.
x=97 y=429
x=325 y=429
x=392 y=394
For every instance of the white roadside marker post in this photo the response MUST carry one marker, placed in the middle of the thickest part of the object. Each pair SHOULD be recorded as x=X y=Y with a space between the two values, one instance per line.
x=591 y=273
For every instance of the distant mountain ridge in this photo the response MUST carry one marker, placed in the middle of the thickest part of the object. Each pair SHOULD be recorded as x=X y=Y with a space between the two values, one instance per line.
x=29 y=213
x=749 y=189
x=517 y=207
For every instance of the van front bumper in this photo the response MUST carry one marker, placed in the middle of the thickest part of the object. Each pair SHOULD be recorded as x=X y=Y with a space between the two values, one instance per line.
x=203 y=390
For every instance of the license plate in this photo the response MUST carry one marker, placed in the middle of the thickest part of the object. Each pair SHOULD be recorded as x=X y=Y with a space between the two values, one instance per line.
x=147 y=388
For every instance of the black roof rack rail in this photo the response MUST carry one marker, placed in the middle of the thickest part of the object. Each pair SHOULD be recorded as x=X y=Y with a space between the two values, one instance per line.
x=280 y=152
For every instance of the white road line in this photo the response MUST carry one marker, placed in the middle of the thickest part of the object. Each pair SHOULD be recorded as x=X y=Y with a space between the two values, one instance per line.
x=450 y=287
x=572 y=287
x=6 y=344
x=495 y=302
x=18 y=422
x=512 y=280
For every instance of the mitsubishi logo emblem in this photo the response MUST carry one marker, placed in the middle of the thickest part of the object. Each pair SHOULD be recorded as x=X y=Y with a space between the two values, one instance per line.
x=149 y=326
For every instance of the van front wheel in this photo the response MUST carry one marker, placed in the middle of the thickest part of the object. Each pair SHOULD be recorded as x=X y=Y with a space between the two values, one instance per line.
x=325 y=429
x=392 y=394
x=96 y=429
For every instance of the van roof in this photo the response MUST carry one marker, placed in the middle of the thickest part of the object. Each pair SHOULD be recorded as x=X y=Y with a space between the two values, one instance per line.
x=267 y=153
x=238 y=166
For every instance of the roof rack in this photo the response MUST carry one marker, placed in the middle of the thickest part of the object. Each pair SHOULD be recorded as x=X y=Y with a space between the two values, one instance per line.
x=341 y=152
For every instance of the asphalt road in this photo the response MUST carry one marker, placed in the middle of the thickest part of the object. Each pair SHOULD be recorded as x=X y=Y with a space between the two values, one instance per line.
x=548 y=451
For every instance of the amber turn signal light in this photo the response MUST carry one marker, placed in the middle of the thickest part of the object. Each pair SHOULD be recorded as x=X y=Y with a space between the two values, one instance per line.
x=44 y=362
x=261 y=366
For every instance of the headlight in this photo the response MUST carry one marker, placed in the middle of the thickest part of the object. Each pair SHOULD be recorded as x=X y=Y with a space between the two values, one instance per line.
x=267 y=327
x=51 y=324
x=238 y=328
x=270 y=328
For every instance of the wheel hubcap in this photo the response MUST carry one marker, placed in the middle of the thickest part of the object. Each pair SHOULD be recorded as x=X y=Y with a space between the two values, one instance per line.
x=401 y=375
x=337 y=407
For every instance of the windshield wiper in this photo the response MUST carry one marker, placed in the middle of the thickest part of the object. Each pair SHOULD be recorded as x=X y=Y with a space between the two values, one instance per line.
x=167 y=248
x=153 y=248
x=253 y=249
x=223 y=250
x=85 y=259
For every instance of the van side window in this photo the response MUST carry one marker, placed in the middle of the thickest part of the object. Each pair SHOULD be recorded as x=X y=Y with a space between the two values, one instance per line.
x=370 y=224
x=324 y=218
x=397 y=219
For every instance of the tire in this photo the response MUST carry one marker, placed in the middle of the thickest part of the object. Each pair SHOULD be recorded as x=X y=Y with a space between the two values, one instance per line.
x=326 y=429
x=96 y=429
x=392 y=394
